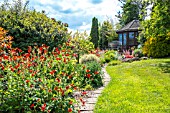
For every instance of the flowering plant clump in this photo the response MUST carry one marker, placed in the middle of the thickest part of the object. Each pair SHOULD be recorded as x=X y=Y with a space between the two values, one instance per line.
x=90 y=74
x=39 y=80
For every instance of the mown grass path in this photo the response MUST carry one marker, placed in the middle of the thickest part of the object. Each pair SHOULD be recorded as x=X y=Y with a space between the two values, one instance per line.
x=138 y=87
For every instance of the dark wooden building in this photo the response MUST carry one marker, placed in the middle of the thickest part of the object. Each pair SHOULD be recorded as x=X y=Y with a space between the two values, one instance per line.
x=128 y=34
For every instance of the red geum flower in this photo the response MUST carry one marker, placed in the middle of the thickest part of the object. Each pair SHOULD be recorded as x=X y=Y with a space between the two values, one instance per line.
x=56 y=88
x=67 y=87
x=58 y=58
x=12 y=69
x=96 y=72
x=74 y=55
x=71 y=102
x=52 y=72
x=17 y=66
x=31 y=85
x=27 y=55
x=57 y=79
x=70 y=110
x=6 y=57
x=88 y=75
x=65 y=60
x=83 y=102
x=56 y=49
x=49 y=90
x=45 y=51
x=41 y=49
x=30 y=71
x=27 y=81
x=29 y=49
x=53 y=98
x=67 y=54
x=63 y=50
x=84 y=92
x=43 y=107
x=87 y=70
x=19 y=50
x=31 y=106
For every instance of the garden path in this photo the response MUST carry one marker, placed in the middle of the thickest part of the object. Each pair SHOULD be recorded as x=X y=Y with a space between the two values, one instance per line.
x=92 y=96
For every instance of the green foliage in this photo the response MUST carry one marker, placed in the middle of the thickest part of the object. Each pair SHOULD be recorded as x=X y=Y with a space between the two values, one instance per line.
x=132 y=9
x=157 y=29
x=80 y=44
x=107 y=34
x=94 y=32
x=159 y=23
x=138 y=53
x=109 y=56
x=89 y=58
x=157 y=47
x=29 y=27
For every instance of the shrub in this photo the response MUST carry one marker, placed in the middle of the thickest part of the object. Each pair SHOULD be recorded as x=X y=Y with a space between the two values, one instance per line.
x=157 y=47
x=109 y=55
x=29 y=27
x=5 y=41
x=89 y=58
x=138 y=53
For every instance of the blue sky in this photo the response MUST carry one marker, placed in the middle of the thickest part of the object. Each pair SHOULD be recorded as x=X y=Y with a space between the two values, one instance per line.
x=78 y=13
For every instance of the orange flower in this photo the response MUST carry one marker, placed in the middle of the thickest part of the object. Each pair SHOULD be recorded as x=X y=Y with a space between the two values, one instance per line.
x=96 y=72
x=27 y=81
x=84 y=92
x=56 y=88
x=70 y=110
x=43 y=107
x=58 y=80
x=58 y=58
x=87 y=70
x=71 y=102
x=32 y=105
x=52 y=72
x=88 y=75
x=67 y=87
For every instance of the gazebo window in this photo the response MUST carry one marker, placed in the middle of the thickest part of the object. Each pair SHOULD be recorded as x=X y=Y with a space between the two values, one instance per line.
x=124 y=38
x=131 y=38
x=120 y=38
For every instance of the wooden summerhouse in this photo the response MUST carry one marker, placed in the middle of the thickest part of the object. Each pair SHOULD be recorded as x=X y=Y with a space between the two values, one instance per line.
x=128 y=34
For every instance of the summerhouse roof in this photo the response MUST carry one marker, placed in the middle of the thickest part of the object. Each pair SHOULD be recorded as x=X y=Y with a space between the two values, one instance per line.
x=131 y=26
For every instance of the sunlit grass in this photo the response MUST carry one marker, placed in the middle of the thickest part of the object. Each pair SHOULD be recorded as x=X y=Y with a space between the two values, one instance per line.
x=138 y=87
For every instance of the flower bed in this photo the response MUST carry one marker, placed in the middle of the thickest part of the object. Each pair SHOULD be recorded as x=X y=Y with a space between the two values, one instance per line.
x=42 y=81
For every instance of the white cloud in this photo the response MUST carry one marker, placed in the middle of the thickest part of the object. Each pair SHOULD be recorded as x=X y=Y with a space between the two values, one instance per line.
x=78 y=13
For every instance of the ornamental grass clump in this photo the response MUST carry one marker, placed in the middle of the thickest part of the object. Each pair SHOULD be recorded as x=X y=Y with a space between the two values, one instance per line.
x=89 y=58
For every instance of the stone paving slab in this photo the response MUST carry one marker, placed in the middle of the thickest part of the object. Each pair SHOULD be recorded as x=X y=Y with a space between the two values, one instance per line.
x=87 y=107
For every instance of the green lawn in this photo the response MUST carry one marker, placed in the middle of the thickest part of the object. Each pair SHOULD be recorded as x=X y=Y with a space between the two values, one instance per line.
x=138 y=87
